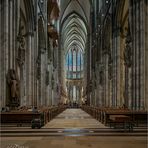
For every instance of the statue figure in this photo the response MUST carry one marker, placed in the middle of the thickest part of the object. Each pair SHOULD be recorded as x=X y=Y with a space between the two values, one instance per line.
x=14 y=87
x=127 y=56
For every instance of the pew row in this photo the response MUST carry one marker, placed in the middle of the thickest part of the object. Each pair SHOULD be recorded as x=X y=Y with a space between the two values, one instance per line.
x=20 y=118
x=23 y=117
x=103 y=114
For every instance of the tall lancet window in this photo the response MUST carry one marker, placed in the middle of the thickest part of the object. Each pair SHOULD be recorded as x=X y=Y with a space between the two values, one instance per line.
x=74 y=63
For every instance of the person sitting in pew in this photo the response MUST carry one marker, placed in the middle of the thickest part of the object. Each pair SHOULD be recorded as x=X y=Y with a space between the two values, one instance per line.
x=124 y=106
x=34 y=109
x=3 y=109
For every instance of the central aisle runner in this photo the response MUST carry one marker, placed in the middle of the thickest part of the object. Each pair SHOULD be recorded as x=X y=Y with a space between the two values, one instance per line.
x=74 y=118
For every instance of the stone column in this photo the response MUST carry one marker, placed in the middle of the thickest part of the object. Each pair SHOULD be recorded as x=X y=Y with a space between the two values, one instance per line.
x=36 y=52
x=114 y=97
x=137 y=14
x=110 y=93
x=137 y=53
x=104 y=85
x=11 y=33
x=132 y=8
x=80 y=95
x=106 y=81
x=118 y=69
x=29 y=68
x=47 y=85
x=142 y=15
x=97 y=85
x=50 y=85
x=39 y=79
x=56 y=74
x=16 y=30
x=59 y=64
x=32 y=71
x=146 y=56
x=6 y=45
x=129 y=87
x=1 y=12
x=88 y=70
x=43 y=75
x=4 y=48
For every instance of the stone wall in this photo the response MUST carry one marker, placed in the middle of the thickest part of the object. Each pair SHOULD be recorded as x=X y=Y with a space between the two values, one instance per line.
x=121 y=64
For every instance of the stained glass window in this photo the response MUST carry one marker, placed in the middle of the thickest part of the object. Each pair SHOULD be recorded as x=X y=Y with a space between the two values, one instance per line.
x=74 y=63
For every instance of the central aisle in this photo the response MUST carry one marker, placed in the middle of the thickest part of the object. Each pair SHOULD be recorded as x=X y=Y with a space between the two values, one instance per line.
x=74 y=118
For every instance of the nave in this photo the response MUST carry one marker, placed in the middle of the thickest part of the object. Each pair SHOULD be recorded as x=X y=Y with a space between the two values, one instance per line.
x=74 y=73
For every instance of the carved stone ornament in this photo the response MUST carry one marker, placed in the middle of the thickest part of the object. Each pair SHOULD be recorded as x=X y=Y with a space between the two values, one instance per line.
x=21 y=48
x=38 y=67
x=128 y=51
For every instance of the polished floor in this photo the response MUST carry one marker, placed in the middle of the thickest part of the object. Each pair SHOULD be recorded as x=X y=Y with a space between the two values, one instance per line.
x=71 y=129
x=74 y=142
x=74 y=118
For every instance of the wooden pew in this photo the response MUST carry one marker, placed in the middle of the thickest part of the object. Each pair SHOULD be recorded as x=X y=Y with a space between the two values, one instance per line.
x=140 y=117
x=20 y=118
x=106 y=113
x=121 y=121
x=102 y=114
x=137 y=117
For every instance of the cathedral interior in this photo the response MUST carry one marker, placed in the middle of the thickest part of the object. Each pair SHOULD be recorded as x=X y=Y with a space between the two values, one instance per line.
x=73 y=73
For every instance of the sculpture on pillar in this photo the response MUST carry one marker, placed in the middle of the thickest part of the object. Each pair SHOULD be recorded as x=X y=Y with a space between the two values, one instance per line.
x=128 y=51
x=21 y=48
x=14 y=86
x=38 y=67
x=101 y=73
x=110 y=61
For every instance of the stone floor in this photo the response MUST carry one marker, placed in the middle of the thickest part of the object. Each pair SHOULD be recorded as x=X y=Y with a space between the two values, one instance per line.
x=73 y=118
x=74 y=142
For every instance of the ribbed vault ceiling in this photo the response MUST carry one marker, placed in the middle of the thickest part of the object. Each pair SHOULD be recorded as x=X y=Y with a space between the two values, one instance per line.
x=74 y=20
